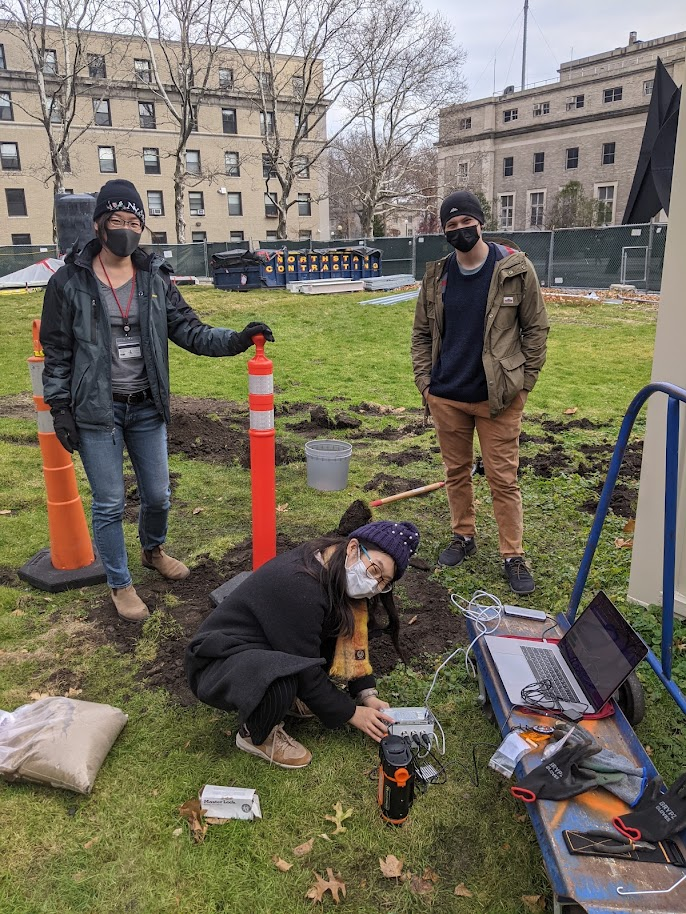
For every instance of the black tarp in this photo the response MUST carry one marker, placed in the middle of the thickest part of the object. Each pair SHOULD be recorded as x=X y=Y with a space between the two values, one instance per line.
x=240 y=257
x=652 y=182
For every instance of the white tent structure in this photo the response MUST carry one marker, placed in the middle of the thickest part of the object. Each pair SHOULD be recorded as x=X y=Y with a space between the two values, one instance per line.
x=37 y=274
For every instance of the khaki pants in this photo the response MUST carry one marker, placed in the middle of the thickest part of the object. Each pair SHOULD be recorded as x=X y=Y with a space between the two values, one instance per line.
x=499 y=439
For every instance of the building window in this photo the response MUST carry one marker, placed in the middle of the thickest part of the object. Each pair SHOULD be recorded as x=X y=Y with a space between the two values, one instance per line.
x=3 y=63
x=268 y=170
x=21 y=239
x=506 y=212
x=102 y=116
x=16 y=201
x=305 y=235
x=304 y=205
x=266 y=123
x=298 y=85
x=612 y=95
x=236 y=236
x=508 y=166
x=96 y=66
x=225 y=78
x=272 y=235
x=146 y=115
x=155 y=203
x=158 y=237
x=301 y=125
x=50 y=62
x=609 y=153
x=301 y=166
x=196 y=202
x=235 y=204
x=574 y=102
x=463 y=170
x=465 y=123
x=648 y=86
x=510 y=115
x=193 y=166
x=539 y=162
x=198 y=237
x=606 y=203
x=107 y=160
x=9 y=157
x=232 y=165
x=541 y=108
x=6 y=112
x=56 y=111
x=536 y=206
x=142 y=70
x=264 y=81
x=572 y=157
x=151 y=160
x=270 y=209
x=229 y=123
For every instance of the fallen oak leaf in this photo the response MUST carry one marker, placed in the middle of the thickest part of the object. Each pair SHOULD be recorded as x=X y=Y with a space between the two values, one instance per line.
x=462 y=891
x=282 y=508
x=340 y=817
x=333 y=884
x=534 y=902
x=303 y=849
x=430 y=874
x=629 y=526
x=391 y=867
x=280 y=864
x=193 y=813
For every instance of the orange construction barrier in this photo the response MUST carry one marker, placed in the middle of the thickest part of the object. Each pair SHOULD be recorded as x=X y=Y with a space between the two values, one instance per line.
x=70 y=561
x=262 y=454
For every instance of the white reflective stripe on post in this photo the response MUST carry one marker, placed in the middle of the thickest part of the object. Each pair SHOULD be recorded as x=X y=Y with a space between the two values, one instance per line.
x=261 y=419
x=44 y=420
x=261 y=384
x=36 y=372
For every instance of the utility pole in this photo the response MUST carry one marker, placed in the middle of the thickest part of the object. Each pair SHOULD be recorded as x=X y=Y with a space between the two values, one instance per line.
x=526 y=22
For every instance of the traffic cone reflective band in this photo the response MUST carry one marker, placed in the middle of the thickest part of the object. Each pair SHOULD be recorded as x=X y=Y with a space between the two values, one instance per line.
x=262 y=454
x=70 y=561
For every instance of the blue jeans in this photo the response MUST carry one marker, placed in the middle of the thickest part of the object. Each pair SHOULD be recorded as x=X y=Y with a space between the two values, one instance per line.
x=141 y=428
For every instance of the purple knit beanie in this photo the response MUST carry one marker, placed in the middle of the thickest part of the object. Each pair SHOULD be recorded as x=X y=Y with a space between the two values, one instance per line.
x=399 y=539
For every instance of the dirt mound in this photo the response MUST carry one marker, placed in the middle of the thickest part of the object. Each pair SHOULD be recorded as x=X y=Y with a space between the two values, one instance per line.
x=391 y=485
x=623 y=500
x=401 y=459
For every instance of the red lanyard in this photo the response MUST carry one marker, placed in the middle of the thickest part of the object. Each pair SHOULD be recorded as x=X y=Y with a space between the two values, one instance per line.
x=124 y=314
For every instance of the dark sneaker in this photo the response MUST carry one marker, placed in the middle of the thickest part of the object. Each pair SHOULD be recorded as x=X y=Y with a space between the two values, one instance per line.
x=457 y=551
x=518 y=575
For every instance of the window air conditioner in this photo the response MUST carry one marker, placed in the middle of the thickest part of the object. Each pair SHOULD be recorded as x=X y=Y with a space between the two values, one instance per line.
x=200 y=212
x=155 y=211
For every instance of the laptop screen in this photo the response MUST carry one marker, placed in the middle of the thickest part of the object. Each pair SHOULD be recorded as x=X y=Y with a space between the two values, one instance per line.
x=601 y=648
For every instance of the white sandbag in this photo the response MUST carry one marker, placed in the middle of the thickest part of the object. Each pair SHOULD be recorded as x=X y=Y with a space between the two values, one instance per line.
x=58 y=741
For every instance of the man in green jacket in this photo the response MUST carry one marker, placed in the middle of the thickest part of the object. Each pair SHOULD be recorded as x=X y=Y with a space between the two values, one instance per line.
x=478 y=344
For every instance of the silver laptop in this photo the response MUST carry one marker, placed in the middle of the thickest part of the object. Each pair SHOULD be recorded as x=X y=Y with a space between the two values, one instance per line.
x=584 y=669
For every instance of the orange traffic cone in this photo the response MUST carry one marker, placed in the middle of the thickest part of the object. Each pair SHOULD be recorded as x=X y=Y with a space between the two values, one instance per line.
x=70 y=561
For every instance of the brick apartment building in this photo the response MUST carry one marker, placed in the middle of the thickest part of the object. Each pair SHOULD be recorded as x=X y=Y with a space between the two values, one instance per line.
x=520 y=148
x=130 y=134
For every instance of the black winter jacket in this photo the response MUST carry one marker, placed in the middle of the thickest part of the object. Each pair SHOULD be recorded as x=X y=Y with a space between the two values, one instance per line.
x=75 y=336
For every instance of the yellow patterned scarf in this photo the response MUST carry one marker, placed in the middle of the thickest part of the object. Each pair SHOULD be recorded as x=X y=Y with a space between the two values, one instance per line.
x=351 y=658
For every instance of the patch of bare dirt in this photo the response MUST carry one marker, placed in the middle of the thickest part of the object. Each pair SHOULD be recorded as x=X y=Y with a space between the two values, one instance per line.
x=391 y=485
x=402 y=458
x=17 y=406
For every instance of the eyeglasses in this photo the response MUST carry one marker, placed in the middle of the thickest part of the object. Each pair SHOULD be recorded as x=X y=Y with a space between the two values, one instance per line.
x=385 y=585
x=116 y=223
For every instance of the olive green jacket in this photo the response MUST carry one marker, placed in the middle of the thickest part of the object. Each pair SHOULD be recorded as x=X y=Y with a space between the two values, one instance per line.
x=515 y=330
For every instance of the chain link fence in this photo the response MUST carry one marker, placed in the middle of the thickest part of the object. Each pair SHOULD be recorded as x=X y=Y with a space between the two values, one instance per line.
x=580 y=258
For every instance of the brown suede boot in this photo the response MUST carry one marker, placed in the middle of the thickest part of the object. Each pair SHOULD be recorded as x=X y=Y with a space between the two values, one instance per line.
x=128 y=604
x=169 y=568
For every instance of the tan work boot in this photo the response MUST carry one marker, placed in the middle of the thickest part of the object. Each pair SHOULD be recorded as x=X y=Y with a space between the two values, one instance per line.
x=299 y=710
x=128 y=604
x=279 y=748
x=169 y=568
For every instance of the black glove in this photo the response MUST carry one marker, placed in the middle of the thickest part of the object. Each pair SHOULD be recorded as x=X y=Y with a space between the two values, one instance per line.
x=65 y=428
x=658 y=815
x=253 y=329
x=559 y=777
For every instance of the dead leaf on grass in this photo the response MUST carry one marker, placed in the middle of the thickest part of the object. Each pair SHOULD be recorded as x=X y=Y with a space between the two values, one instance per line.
x=340 y=817
x=6 y=511
x=282 y=508
x=624 y=544
x=193 y=813
x=333 y=884
x=72 y=693
x=177 y=832
x=571 y=410
x=391 y=867
x=629 y=526
x=534 y=902
x=412 y=620
x=303 y=849
x=281 y=864
x=463 y=891
x=89 y=844
x=198 y=510
x=36 y=696
x=17 y=612
x=421 y=886
x=325 y=837
x=522 y=818
x=430 y=874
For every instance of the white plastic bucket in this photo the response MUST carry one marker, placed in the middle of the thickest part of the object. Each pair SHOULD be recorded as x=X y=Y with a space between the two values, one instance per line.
x=328 y=462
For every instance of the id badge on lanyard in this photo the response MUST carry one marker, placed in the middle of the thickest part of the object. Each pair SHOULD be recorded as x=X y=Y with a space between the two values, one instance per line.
x=129 y=347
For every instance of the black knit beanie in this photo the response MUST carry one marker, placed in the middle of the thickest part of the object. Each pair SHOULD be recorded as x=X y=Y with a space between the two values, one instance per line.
x=461 y=203
x=399 y=539
x=119 y=196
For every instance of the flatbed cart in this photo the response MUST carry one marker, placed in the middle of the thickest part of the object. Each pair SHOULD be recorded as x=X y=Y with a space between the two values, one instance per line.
x=601 y=885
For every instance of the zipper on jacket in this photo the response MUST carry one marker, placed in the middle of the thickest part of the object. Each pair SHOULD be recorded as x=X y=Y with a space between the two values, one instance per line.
x=94 y=321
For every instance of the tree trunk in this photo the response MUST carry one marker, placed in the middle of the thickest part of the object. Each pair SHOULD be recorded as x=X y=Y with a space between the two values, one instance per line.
x=179 y=210
x=367 y=219
x=58 y=188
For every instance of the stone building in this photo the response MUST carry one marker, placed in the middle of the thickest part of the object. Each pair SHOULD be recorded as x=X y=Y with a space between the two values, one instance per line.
x=129 y=133
x=519 y=148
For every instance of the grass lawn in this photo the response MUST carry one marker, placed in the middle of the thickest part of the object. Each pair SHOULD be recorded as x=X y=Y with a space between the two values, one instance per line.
x=120 y=850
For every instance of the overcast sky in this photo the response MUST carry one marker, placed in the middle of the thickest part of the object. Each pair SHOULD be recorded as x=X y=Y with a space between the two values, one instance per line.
x=587 y=26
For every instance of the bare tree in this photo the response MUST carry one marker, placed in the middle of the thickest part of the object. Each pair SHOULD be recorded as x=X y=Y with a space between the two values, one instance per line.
x=571 y=208
x=409 y=67
x=183 y=39
x=57 y=38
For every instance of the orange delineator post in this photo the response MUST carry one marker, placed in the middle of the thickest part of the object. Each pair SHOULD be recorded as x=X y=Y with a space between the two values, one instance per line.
x=71 y=549
x=262 y=454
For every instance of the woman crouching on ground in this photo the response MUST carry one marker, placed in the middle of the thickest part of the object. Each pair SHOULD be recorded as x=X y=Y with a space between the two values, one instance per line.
x=276 y=644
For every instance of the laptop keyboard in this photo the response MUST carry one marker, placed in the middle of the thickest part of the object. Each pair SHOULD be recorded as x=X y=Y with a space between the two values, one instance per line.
x=544 y=665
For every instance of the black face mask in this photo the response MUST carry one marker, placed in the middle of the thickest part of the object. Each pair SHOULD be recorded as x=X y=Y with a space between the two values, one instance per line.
x=122 y=242
x=463 y=239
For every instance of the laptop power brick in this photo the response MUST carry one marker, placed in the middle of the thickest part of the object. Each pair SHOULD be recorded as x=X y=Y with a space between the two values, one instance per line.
x=411 y=721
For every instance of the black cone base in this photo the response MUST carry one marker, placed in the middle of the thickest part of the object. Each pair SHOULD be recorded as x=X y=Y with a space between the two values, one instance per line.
x=39 y=572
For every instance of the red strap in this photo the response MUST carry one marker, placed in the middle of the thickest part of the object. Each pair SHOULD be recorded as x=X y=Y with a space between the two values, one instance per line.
x=633 y=834
x=522 y=793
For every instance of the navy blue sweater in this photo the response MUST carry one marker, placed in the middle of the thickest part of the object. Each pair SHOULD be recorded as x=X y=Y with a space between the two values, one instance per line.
x=459 y=372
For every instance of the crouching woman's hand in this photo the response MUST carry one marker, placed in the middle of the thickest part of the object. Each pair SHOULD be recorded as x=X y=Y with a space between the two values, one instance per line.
x=371 y=721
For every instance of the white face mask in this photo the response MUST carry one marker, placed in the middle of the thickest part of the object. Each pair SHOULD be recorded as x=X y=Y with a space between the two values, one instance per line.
x=359 y=584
